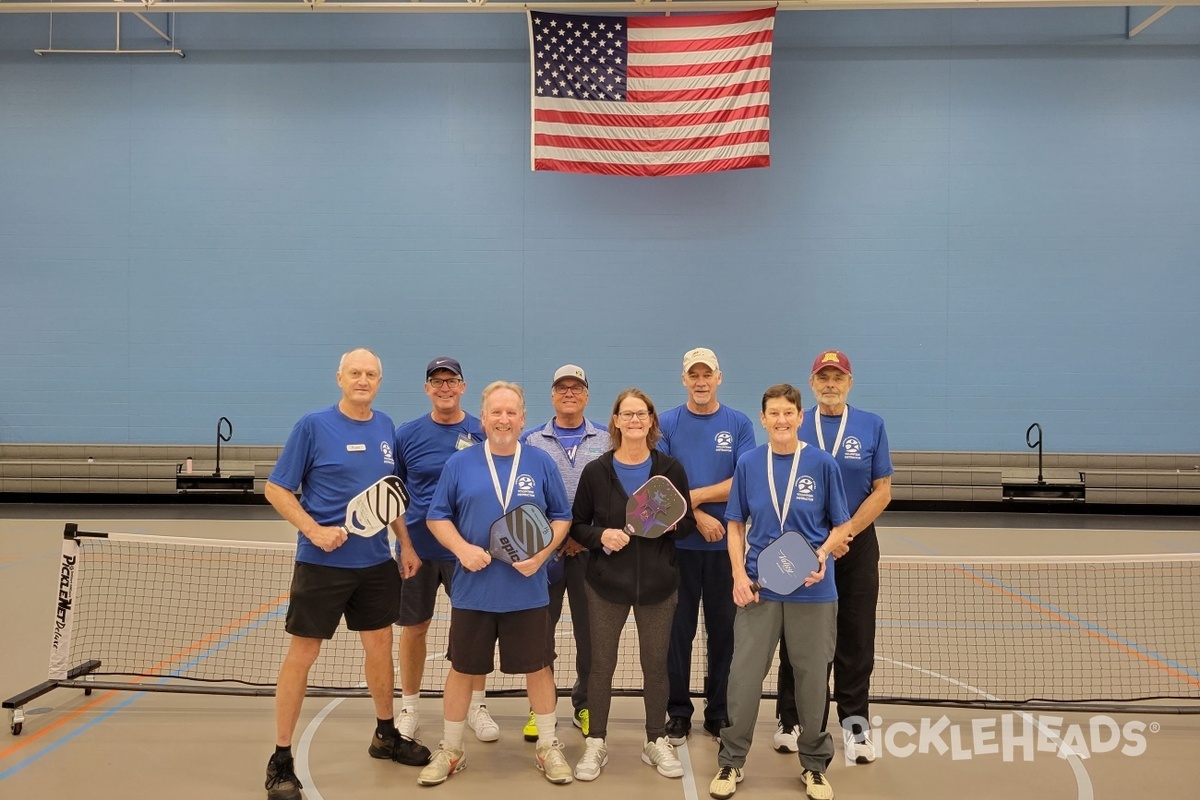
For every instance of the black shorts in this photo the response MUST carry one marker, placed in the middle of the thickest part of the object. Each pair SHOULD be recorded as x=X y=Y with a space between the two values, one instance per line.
x=418 y=594
x=523 y=637
x=369 y=597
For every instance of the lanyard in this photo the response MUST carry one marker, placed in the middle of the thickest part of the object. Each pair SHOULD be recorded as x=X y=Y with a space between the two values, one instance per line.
x=841 y=430
x=506 y=497
x=787 y=500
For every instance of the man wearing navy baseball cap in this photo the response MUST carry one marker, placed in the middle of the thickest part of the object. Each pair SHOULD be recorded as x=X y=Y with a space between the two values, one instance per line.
x=422 y=447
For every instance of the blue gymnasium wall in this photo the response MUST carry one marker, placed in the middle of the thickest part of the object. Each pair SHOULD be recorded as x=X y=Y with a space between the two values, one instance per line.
x=996 y=214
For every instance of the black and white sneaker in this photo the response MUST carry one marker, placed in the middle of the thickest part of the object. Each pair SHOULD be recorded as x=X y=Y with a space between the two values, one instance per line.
x=678 y=730
x=282 y=783
x=399 y=748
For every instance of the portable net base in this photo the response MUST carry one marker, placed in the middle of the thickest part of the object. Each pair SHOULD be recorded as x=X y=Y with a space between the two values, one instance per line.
x=168 y=614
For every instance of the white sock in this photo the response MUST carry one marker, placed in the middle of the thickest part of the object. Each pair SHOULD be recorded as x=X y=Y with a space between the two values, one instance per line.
x=409 y=701
x=454 y=734
x=478 y=698
x=545 y=725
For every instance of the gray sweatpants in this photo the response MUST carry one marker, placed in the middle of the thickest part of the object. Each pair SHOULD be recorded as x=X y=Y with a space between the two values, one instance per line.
x=810 y=630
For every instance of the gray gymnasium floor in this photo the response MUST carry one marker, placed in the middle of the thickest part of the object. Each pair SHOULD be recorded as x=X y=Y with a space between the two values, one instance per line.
x=134 y=745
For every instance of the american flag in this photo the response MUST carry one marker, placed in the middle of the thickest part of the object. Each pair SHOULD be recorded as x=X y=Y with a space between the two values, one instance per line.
x=651 y=96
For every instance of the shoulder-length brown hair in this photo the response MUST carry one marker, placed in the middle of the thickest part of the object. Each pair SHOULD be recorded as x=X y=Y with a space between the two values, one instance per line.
x=652 y=435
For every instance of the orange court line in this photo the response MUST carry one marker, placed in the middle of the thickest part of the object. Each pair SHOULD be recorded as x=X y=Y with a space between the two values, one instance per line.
x=33 y=738
x=1153 y=662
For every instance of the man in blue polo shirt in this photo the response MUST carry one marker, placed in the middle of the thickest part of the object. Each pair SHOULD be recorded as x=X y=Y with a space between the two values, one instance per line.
x=493 y=601
x=333 y=455
x=707 y=438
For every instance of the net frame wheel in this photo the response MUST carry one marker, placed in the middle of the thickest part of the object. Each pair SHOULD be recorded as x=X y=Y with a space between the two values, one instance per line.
x=18 y=721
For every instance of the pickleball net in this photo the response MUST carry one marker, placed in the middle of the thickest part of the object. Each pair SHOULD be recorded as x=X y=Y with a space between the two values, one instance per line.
x=165 y=613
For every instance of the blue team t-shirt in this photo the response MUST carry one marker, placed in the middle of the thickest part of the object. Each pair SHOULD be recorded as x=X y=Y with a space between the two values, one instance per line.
x=818 y=505
x=422 y=449
x=708 y=446
x=863 y=454
x=466 y=496
x=330 y=458
x=632 y=476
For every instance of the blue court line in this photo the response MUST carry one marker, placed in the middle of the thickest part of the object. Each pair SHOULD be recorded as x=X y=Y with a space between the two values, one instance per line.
x=1080 y=623
x=1084 y=624
x=33 y=757
x=32 y=559
x=989 y=626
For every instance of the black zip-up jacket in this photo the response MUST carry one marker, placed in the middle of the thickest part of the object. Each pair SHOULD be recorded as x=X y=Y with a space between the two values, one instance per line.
x=644 y=571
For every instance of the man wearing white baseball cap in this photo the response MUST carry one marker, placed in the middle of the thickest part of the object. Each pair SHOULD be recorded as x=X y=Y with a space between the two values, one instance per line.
x=707 y=438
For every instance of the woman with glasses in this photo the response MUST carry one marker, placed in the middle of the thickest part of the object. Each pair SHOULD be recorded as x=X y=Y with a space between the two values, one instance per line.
x=624 y=573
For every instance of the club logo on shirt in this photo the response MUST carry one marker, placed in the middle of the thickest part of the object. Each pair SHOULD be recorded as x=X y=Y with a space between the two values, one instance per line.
x=386 y=449
x=724 y=442
x=805 y=486
x=526 y=485
x=852 y=448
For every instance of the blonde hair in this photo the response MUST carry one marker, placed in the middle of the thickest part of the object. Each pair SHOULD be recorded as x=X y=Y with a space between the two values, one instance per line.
x=496 y=386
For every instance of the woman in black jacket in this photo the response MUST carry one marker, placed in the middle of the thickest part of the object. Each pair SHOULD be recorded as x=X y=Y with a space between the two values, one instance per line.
x=624 y=573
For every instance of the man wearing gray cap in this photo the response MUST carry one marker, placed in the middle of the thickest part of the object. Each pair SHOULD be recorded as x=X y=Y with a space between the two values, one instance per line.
x=422 y=447
x=573 y=441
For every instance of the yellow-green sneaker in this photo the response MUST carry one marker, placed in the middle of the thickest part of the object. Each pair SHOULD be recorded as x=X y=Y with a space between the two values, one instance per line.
x=582 y=721
x=531 y=732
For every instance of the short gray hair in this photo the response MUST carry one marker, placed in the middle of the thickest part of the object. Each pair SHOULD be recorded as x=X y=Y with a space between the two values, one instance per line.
x=496 y=386
x=348 y=353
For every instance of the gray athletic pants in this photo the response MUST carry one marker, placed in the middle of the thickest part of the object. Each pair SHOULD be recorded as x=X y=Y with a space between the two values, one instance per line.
x=810 y=630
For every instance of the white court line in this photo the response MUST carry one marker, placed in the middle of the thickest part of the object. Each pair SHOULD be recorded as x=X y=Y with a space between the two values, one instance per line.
x=689 y=778
x=310 y=730
x=1082 y=780
x=1007 y=529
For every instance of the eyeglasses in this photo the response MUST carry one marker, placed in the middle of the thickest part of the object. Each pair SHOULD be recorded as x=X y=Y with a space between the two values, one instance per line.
x=560 y=388
x=625 y=416
x=438 y=383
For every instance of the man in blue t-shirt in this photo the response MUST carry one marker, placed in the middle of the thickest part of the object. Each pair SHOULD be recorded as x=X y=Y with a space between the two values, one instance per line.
x=858 y=440
x=493 y=601
x=422 y=447
x=785 y=485
x=573 y=441
x=707 y=438
x=331 y=456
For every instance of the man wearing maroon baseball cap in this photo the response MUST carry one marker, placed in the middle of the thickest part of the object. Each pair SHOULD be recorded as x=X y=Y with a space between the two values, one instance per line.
x=858 y=440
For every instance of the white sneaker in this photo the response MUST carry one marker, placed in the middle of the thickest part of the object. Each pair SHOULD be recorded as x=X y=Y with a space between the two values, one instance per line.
x=858 y=752
x=787 y=741
x=661 y=754
x=445 y=762
x=480 y=721
x=407 y=722
x=595 y=756
x=725 y=784
x=553 y=764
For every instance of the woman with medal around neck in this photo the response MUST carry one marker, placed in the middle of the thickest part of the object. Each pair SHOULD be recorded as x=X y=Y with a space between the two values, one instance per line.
x=858 y=441
x=629 y=572
x=784 y=485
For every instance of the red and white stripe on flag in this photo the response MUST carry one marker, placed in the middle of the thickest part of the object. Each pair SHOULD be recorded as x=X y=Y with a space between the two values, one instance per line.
x=651 y=96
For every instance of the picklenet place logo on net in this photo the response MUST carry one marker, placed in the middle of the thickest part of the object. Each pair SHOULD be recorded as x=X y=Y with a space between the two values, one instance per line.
x=1010 y=737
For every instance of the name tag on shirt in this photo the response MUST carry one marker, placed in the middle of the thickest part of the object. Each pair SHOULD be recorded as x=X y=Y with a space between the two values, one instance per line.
x=356 y=448
x=464 y=441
